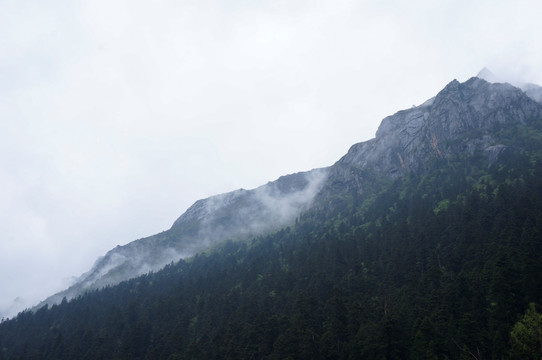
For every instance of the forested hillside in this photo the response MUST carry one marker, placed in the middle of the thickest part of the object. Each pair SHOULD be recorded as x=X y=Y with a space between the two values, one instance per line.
x=444 y=263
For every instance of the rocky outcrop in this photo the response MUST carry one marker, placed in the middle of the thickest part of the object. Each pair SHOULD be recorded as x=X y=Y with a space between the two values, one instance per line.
x=460 y=118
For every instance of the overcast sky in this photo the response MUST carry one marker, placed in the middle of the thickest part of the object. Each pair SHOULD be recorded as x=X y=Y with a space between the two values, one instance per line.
x=116 y=116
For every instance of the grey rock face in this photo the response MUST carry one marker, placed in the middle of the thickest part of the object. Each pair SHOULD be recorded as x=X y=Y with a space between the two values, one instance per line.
x=460 y=118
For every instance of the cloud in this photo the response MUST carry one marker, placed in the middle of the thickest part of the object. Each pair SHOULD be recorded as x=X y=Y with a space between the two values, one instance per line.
x=116 y=116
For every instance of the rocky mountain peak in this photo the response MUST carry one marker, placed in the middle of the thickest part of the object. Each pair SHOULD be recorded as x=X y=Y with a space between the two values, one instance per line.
x=459 y=118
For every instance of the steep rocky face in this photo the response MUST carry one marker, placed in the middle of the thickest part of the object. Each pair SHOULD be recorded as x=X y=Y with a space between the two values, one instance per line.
x=460 y=119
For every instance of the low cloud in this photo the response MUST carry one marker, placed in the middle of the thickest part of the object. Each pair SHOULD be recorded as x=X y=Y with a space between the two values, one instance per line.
x=116 y=116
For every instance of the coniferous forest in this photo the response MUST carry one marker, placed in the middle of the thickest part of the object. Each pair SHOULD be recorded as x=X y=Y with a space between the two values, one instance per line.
x=444 y=263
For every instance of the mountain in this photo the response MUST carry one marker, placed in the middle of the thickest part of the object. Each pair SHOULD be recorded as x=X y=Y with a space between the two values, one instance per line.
x=422 y=243
x=460 y=118
x=238 y=215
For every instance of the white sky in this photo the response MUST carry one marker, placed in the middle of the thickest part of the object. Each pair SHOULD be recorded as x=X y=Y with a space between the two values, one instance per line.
x=115 y=116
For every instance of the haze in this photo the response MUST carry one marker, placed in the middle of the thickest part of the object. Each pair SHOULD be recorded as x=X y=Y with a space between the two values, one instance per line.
x=116 y=116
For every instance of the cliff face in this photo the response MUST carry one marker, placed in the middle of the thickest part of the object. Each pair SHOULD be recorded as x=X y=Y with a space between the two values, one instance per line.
x=459 y=119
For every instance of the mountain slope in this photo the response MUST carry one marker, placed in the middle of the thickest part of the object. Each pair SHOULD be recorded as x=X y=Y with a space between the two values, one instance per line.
x=439 y=259
x=461 y=118
x=237 y=215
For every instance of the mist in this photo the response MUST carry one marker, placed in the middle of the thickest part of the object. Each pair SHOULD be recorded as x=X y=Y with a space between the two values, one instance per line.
x=238 y=215
x=115 y=117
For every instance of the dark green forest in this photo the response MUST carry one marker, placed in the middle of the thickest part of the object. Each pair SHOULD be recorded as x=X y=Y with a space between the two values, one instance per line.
x=439 y=264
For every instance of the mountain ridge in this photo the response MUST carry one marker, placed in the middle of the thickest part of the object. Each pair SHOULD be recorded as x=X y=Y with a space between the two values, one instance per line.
x=403 y=142
x=238 y=215
x=421 y=129
x=433 y=253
